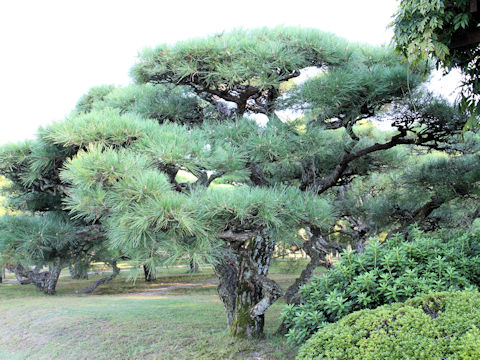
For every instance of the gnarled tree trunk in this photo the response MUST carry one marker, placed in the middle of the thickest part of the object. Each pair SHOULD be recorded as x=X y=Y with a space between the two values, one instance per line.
x=227 y=273
x=254 y=291
x=52 y=278
x=45 y=281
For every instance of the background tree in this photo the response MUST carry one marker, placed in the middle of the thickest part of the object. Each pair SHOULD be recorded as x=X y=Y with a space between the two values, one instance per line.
x=36 y=241
x=447 y=31
x=36 y=191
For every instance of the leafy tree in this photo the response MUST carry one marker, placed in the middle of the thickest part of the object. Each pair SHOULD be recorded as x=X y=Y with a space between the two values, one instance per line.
x=36 y=191
x=33 y=240
x=442 y=30
x=243 y=67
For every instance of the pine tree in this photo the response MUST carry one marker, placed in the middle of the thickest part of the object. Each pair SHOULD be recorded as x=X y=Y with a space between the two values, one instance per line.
x=115 y=162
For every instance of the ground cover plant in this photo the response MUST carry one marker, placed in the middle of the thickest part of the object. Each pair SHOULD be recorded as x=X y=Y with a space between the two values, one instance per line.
x=435 y=326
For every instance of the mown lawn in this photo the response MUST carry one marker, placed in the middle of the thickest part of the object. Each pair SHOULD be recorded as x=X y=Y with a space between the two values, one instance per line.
x=177 y=317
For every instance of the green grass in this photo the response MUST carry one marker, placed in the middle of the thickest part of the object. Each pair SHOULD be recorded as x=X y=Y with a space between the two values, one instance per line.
x=168 y=319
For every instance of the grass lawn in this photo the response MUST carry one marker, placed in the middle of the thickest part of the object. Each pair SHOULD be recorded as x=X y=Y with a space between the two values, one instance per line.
x=177 y=317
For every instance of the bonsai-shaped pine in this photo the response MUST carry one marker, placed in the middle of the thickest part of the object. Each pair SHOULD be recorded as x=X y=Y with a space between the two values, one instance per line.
x=121 y=170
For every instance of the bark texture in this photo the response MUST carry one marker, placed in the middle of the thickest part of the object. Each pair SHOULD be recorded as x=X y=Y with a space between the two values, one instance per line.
x=227 y=273
x=45 y=281
x=254 y=292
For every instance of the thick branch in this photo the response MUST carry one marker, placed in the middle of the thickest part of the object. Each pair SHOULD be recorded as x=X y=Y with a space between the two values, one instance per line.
x=272 y=292
x=91 y=288
x=22 y=275
x=92 y=232
x=227 y=273
x=332 y=179
x=316 y=247
x=419 y=215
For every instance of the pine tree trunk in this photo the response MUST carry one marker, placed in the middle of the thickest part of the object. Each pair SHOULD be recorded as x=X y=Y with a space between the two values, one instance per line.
x=251 y=300
x=227 y=273
x=44 y=281
x=148 y=273
x=316 y=247
x=52 y=279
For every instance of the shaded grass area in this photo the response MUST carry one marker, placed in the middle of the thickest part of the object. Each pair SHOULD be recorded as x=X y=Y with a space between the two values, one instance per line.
x=177 y=317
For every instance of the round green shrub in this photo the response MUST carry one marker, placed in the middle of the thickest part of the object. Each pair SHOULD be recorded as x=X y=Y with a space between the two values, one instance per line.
x=384 y=274
x=435 y=326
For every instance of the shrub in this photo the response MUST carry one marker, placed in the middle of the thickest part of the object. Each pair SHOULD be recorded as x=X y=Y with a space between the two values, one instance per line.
x=435 y=326
x=383 y=274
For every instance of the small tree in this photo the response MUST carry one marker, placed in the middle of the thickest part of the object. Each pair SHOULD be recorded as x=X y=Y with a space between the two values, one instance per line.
x=36 y=241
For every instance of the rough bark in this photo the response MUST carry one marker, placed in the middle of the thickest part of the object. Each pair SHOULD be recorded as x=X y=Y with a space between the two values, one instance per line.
x=227 y=273
x=21 y=274
x=45 y=281
x=91 y=288
x=255 y=292
x=52 y=278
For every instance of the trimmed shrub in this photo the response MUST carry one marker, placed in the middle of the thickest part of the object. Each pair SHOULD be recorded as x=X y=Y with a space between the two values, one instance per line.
x=435 y=326
x=384 y=274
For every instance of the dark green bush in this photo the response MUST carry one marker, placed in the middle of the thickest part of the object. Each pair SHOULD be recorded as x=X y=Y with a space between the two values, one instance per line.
x=383 y=274
x=435 y=326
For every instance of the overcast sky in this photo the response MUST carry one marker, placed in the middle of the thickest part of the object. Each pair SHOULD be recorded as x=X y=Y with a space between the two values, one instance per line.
x=54 y=51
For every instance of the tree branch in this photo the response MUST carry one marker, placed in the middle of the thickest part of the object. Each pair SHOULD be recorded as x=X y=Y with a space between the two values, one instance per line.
x=91 y=288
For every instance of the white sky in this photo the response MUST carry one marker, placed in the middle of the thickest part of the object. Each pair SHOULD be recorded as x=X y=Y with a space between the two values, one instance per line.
x=52 y=52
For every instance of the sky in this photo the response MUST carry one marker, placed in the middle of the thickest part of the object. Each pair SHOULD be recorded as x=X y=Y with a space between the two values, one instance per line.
x=54 y=51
